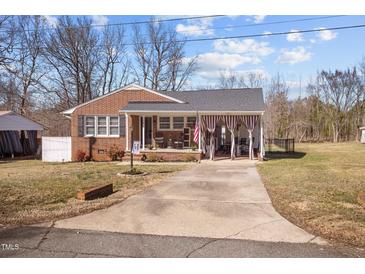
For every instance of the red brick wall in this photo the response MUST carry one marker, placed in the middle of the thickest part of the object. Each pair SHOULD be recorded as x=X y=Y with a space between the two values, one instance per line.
x=173 y=156
x=109 y=105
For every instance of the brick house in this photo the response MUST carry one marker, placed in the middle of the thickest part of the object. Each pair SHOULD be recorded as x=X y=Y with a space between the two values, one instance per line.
x=227 y=122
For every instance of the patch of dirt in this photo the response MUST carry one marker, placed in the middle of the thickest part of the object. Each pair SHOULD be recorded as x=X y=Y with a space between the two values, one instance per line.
x=335 y=228
x=303 y=205
x=349 y=205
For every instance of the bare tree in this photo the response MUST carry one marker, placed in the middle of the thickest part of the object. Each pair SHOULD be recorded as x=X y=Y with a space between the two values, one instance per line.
x=26 y=69
x=339 y=91
x=277 y=109
x=7 y=33
x=114 y=66
x=160 y=60
x=231 y=79
x=72 y=53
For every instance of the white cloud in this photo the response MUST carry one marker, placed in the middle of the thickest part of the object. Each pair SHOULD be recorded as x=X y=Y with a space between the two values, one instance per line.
x=52 y=21
x=294 y=37
x=293 y=56
x=198 y=28
x=325 y=34
x=99 y=19
x=209 y=65
x=248 y=47
x=256 y=18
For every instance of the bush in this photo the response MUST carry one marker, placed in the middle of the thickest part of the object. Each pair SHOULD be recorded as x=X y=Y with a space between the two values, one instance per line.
x=80 y=156
x=144 y=157
x=152 y=157
x=115 y=153
x=189 y=158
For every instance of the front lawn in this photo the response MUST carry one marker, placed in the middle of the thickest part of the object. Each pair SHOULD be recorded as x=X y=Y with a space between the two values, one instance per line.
x=33 y=191
x=317 y=189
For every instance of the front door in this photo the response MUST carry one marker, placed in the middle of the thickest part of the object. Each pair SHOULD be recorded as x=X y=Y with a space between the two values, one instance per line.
x=146 y=129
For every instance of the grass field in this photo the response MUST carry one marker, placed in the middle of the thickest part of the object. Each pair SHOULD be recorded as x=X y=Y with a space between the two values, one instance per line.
x=33 y=191
x=317 y=188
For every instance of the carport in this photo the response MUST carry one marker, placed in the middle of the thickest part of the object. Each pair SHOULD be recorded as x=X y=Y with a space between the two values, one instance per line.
x=18 y=135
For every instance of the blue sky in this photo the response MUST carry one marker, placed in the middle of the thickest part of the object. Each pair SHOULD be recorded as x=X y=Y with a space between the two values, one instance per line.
x=294 y=56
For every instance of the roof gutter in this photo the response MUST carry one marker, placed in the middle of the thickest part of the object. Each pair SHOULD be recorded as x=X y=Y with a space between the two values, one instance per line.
x=215 y=112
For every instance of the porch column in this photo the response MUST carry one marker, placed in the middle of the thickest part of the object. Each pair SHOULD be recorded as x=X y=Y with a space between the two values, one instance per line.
x=126 y=132
x=262 y=153
x=143 y=137
x=200 y=137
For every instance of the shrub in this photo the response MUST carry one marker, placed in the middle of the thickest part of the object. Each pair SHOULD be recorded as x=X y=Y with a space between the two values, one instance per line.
x=144 y=157
x=152 y=157
x=80 y=156
x=115 y=153
x=189 y=158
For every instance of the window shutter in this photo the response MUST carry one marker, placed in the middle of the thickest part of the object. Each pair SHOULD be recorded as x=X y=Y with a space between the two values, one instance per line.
x=122 y=125
x=80 y=124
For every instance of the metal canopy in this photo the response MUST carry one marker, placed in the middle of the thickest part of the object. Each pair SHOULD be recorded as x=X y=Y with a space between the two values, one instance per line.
x=11 y=121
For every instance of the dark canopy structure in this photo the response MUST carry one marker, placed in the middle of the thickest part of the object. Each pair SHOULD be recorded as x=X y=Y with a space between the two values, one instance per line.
x=11 y=141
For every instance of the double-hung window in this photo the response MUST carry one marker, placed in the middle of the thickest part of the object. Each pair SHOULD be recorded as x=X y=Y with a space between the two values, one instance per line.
x=90 y=126
x=164 y=122
x=178 y=122
x=190 y=122
x=102 y=126
x=113 y=125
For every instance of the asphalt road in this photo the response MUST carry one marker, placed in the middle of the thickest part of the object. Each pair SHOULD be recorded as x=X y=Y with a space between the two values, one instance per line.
x=48 y=242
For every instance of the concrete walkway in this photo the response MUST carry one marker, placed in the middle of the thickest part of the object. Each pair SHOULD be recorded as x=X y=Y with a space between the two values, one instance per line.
x=223 y=199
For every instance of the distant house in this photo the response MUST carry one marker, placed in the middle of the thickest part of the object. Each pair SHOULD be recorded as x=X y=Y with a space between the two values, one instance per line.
x=362 y=130
x=11 y=142
x=174 y=124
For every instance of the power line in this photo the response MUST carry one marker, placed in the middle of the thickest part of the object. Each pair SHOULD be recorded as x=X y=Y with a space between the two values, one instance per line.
x=249 y=35
x=269 y=23
x=265 y=34
x=130 y=23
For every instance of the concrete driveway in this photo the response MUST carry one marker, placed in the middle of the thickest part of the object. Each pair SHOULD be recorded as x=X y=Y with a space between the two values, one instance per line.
x=221 y=199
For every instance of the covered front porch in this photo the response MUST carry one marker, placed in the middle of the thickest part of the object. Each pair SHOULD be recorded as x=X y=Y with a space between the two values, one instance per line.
x=194 y=135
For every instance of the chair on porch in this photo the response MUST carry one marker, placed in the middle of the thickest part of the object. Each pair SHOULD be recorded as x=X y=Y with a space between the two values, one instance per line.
x=243 y=146
x=179 y=142
x=160 y=141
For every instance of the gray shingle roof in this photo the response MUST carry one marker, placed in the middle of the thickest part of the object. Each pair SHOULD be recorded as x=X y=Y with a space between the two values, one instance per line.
x=206 y=100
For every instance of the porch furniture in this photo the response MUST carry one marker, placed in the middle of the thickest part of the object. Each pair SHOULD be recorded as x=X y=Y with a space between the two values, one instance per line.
x=243 y=147
x=169 y=143
x=226 y=148
x=160 y=142
x=178 y=144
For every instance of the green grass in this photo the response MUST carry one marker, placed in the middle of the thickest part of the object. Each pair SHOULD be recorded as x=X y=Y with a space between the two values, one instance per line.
x=33 y=191
x=317 y=189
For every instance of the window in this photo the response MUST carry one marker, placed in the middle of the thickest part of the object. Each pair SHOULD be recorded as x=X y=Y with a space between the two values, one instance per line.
x=102 y=125
x=114 y=125
x=178 y=122
x=164 y=122
x=190 y=122
x=90 y=126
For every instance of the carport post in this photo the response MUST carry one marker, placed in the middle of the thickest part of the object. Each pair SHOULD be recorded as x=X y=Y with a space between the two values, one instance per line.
x=262 y=137
x=200 y=137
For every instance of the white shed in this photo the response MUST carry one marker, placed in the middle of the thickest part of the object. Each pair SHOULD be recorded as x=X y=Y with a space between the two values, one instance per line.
x=362 y=139
x=11 y=142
